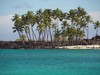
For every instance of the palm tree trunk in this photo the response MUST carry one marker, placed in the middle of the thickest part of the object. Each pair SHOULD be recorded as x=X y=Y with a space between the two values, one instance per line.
x=21 y=37
x=32 y=32
x=87 y=34
x=47 y=34
x=44 y=35
x=96 y=34
x=26 y=34
x=50 y=34
x=39 y=36
x=35 y=35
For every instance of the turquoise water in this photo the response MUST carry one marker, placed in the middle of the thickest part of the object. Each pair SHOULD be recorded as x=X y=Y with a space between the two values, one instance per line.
x=49 y=62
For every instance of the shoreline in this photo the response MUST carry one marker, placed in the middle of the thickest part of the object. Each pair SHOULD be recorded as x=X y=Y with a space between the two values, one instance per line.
x=43 y=45
x=80 y=47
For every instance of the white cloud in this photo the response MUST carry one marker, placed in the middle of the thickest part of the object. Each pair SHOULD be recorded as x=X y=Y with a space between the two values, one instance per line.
x=5 y=20
x=6 y=24
x=95 y=15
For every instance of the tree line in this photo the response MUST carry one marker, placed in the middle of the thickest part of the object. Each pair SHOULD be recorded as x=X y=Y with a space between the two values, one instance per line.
x=54 y=25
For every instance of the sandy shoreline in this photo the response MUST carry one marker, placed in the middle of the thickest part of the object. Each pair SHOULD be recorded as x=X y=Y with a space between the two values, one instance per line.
x=81 y=47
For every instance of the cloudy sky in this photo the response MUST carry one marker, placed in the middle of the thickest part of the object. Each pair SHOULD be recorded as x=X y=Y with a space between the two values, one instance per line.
x=10 y=7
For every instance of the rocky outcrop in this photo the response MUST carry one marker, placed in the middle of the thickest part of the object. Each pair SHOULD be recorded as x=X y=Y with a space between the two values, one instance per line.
x=39 y=44
x=26 y=45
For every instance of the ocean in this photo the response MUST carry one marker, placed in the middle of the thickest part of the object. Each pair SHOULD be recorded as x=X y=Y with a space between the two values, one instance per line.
x=49 y=62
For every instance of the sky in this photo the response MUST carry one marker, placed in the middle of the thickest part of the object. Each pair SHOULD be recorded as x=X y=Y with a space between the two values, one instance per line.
x=10 y=7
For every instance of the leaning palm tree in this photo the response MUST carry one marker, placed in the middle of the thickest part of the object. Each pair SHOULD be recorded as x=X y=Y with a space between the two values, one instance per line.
x=31 y=20
x=57 y=15
x=65 y=26
x=41 y=28
x=18 y=26
x=47 y=13
x=80 y=20
x=25 y=26
x=71 y=16
x=57 y=35
x=39 y=21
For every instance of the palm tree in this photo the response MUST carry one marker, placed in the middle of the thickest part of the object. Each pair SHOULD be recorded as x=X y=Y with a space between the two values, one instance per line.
x=97 y=26
x=31 y=20
x=39 y=21
x=47 y=21
x=57 y=37
x=71 y=32
x=41 y=28
x=18 y=26
x=88 y=20
x=26 y=28
x=79 y=20
x=65 y=26
x=71 y=16
x=57 y=15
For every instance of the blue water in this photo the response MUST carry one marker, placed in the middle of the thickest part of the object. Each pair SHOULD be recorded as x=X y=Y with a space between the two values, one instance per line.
x=49 y=62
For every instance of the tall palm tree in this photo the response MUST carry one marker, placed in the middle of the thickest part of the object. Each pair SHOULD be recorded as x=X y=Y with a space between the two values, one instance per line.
x=97 y=26
x=31 y=20
x=18 y=26
x=25 y=26
x=71 y=32
x=79 y=20
x=41 y=28
x=88 y=20
x=57 y=35
x=71 y=16
x=47 y=21
x=57 y=15
x=65 y=26
x=39 y=21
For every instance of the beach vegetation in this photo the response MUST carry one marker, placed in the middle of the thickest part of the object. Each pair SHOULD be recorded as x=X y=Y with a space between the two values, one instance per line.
x=54 y=25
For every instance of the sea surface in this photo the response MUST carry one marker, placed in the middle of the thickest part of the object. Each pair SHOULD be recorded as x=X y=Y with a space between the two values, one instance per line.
x=49 y=62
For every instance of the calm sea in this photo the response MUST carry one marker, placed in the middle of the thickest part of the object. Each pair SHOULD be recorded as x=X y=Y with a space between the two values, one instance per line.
x=49 y=62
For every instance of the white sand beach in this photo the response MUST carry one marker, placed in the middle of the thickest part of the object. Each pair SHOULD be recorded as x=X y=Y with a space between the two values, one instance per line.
x=81 y=47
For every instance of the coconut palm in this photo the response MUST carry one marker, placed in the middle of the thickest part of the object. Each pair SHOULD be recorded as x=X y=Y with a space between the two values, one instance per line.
x=71 y=16
x=81 y=22
x=57 y=16
x=41 y=28
x=88 y=20
x=65 y=26
x=70 y=30
x=18 y=26
x=57 y=35
x=97 y=26
x=31 y=20
x=25 y=26
x=39 y=20
x=57 y=13
x=47 y=21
